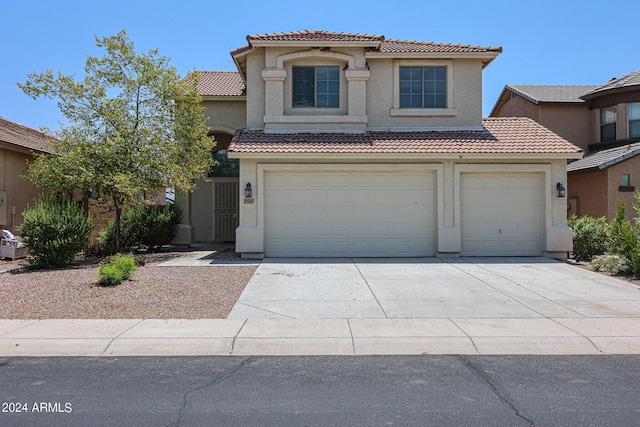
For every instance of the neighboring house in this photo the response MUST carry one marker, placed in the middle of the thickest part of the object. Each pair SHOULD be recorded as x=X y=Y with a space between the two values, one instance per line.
x=17 y=142
x=595 y=118
x=357 y=145
x=599 y=180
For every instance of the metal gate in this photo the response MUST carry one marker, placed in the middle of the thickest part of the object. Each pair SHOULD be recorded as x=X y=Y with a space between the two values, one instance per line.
x=226 y=207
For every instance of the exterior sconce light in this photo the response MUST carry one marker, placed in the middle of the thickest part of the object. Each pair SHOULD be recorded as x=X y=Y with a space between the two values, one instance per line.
x=248 y=192
x=562 y=192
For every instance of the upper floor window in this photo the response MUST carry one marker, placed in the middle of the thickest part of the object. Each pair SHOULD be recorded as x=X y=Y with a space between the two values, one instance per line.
x=608 y=123
x=634 y=120
x=423 y=87
x=316 y=86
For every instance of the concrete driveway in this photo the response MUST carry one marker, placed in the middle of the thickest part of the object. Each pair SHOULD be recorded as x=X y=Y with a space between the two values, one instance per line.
x=432 y=288
x=436 y=306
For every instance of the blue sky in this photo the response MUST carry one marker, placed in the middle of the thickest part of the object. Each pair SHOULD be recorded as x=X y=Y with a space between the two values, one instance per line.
x=544 y=42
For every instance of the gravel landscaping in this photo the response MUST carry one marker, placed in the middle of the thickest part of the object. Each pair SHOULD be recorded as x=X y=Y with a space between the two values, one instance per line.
x=154 y=293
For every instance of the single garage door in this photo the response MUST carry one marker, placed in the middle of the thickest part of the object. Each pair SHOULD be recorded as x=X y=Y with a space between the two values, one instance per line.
x=501 y=214
x=344 y=214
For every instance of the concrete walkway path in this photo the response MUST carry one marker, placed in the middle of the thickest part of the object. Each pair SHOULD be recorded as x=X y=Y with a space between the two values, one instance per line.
x=363 y=306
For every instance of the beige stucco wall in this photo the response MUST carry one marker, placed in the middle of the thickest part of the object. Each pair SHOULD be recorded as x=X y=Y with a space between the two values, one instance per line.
x=368 y=93
x=255 y=90
x=464 y=103
x=557 y=239
x=226 y=115
x=19 y=192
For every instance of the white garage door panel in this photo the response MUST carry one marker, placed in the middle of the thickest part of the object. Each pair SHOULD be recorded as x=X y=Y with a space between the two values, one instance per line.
x=501 y=214
x=349 y=214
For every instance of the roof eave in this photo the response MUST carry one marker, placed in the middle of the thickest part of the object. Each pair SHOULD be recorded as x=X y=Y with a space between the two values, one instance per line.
x=487 y=57
x=223 y=97
x=22 y=149
x=421 y=157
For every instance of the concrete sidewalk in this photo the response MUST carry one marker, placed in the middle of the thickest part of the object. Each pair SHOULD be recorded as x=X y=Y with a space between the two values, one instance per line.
x=238 y=337
x=477 y=306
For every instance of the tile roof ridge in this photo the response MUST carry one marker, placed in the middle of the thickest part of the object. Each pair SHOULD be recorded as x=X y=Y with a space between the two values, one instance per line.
x=310 y=32
x=432 y=43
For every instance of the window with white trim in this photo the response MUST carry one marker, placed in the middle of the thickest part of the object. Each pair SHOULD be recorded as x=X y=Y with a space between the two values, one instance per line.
x=423 y=87
x=608 y=123
x=316 y=86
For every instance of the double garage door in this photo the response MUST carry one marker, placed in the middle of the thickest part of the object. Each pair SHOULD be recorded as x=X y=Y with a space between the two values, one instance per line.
x=338 y=214
x=393 y=214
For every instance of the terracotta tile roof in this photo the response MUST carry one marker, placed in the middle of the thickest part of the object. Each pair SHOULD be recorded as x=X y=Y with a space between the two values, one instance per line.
x=605 y=158
x=23 y=136
x=406 y=46
x=626 y=81
x=501 y=135
x=378 y=43
x=220 y=83
x=313 y=35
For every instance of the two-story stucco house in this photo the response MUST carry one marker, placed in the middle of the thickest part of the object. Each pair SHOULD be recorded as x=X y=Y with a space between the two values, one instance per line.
x=358 y=145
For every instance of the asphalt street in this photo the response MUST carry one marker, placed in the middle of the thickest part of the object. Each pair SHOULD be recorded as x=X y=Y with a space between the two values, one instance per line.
x=321 y=390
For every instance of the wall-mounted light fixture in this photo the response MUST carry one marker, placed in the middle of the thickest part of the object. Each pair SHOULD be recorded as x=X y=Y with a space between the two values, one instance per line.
x=562 y=192
x=248 y=191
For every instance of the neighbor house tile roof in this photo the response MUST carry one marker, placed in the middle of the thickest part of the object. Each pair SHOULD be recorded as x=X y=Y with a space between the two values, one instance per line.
x=605 y=158
x=23 y=136
x=626 y=81
x=220 y=83
x=501 y=135
x=551 y=93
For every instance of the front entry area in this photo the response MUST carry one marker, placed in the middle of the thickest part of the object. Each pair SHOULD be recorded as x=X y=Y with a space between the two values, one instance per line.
x=350 y=213
x=215 y=208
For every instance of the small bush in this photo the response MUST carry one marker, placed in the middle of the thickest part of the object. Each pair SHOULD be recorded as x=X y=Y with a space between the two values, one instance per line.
x=589 y=236
x=116 y=269
x=151 y=226
x=624 y=240
x=615 y=264
x=55 y=231
x=110 y=275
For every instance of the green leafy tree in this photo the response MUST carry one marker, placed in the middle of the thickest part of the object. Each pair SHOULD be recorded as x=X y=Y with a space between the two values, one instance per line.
x=134 y=126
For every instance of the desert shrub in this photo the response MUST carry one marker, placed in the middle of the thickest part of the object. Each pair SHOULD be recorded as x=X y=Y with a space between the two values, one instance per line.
x=55 y=231
x=615 y=264
x=624 y=240
x=589 y=236
x=151 y=226
x=110 y=275
x=118 y=268
x=161 y=225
